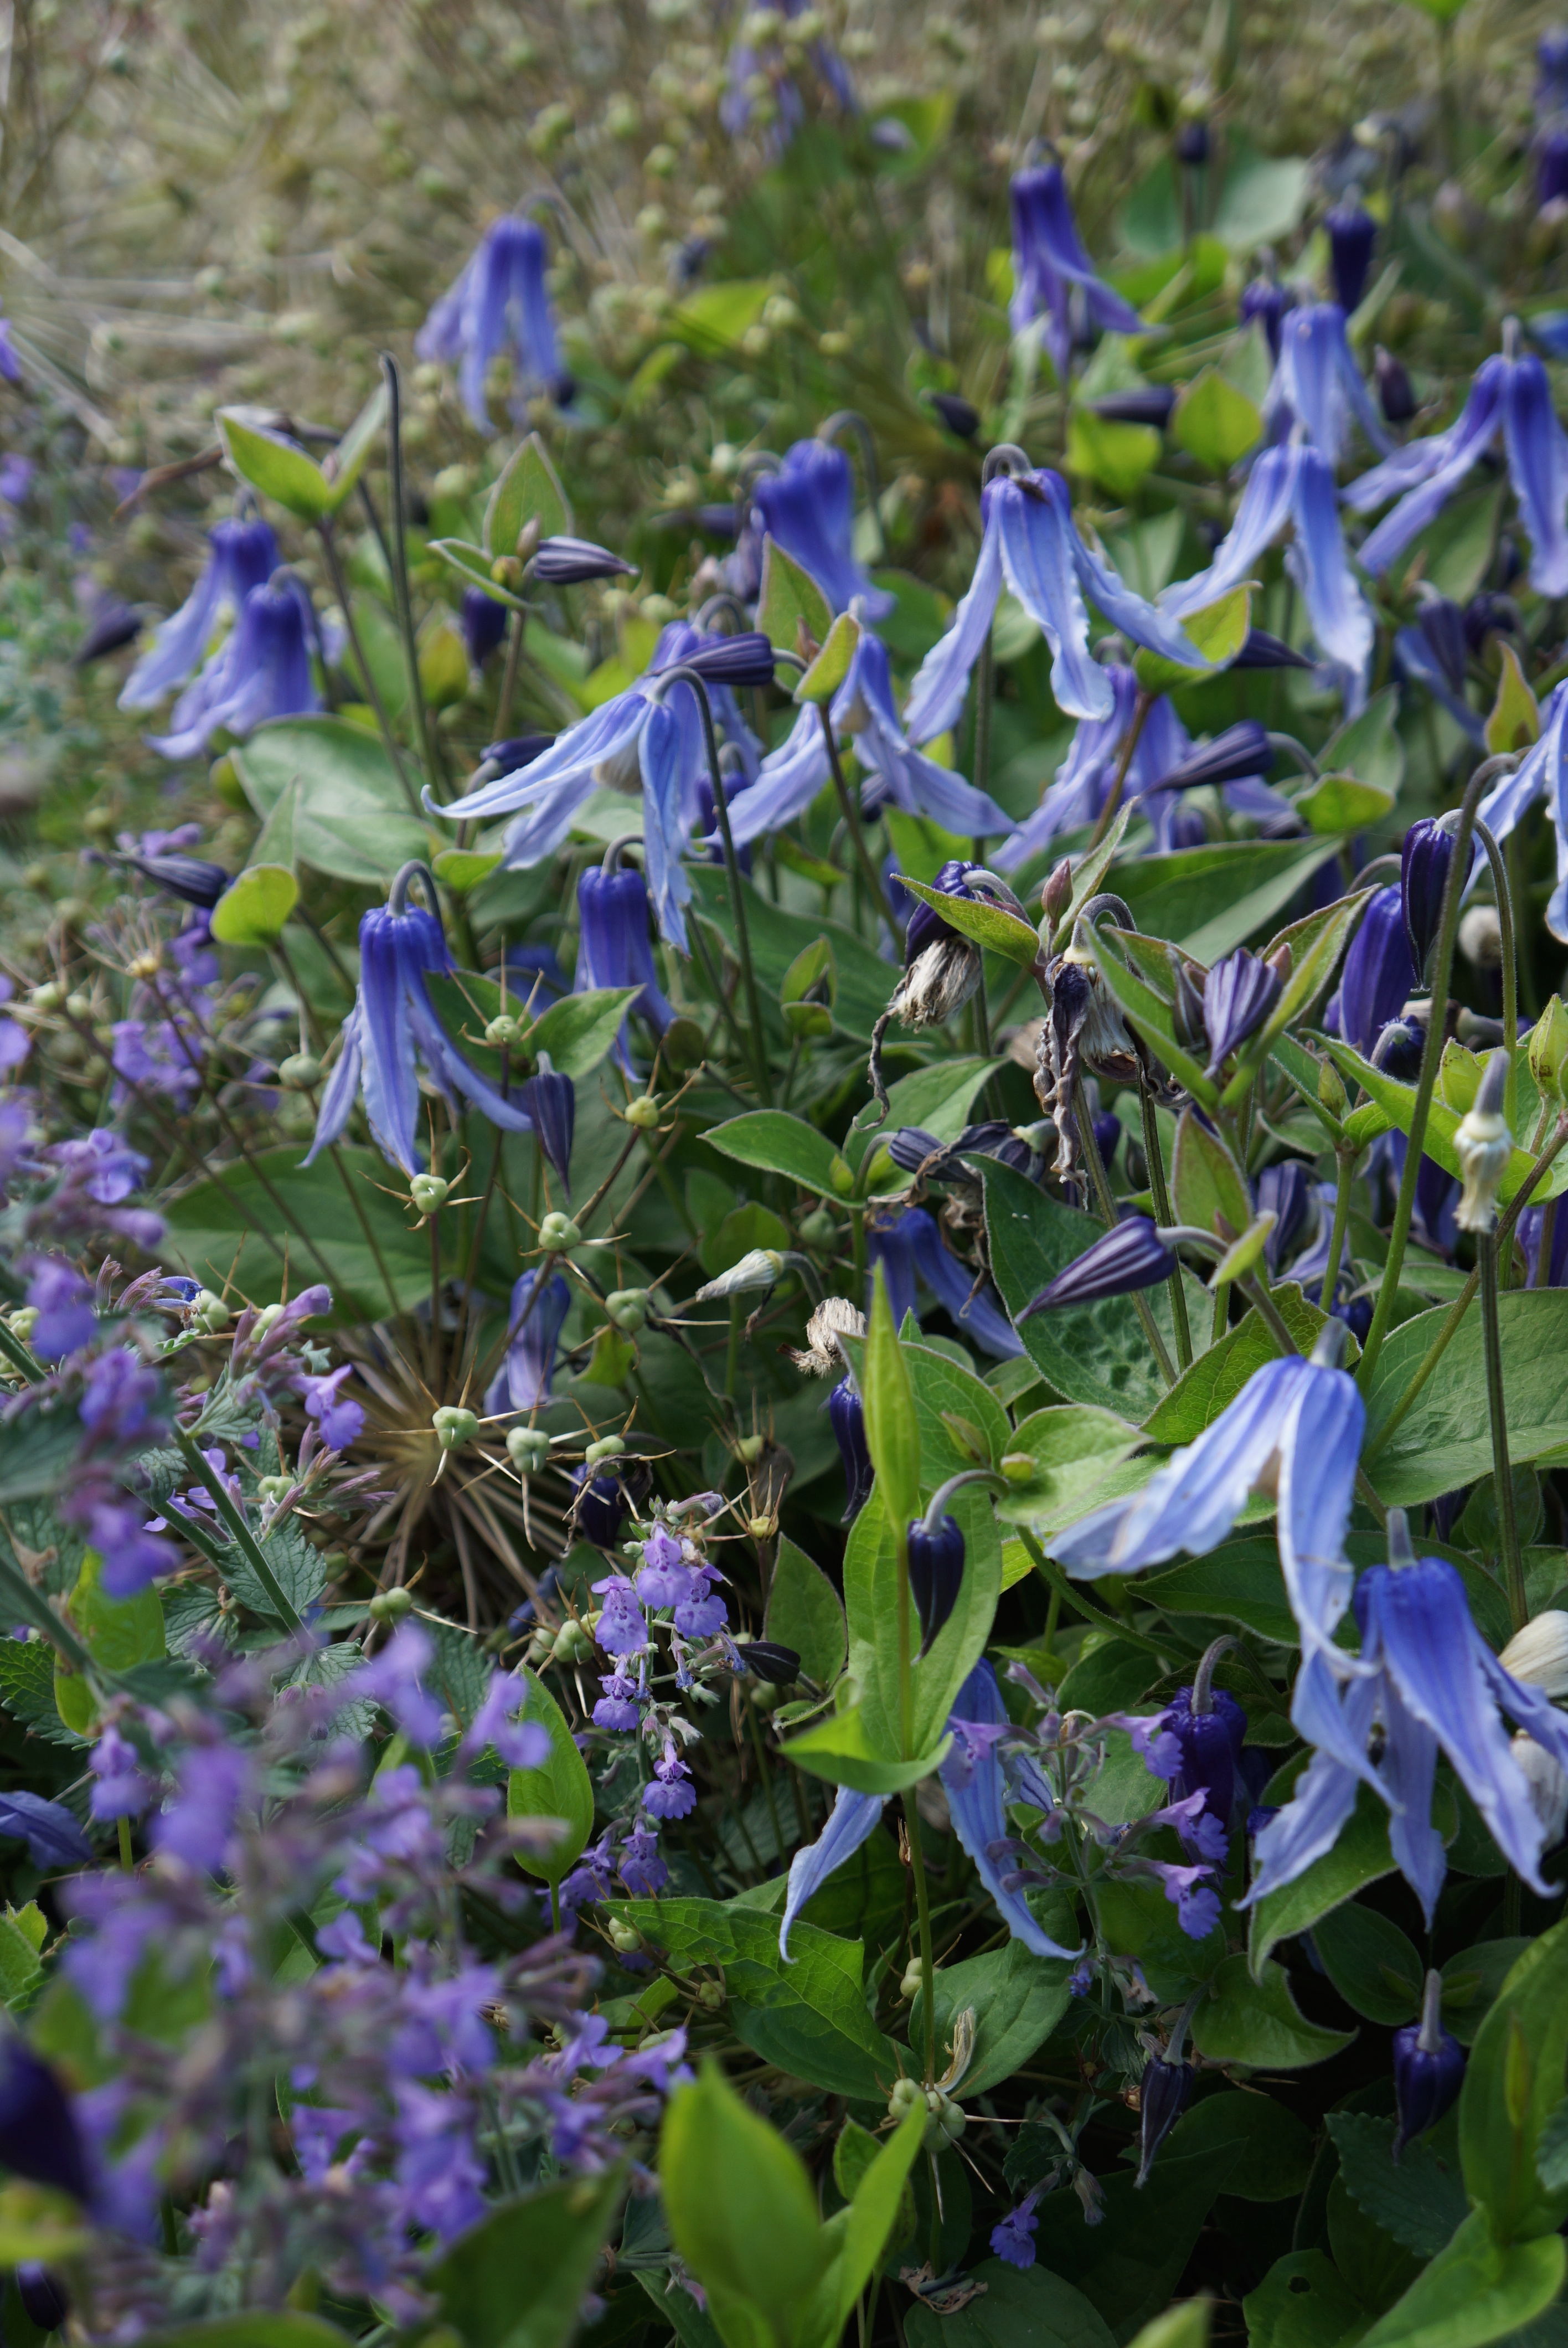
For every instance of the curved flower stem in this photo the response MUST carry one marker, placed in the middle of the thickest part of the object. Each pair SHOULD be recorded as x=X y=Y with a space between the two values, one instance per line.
x=239 y=1531
x=923 y=1915
x=1505 y=940
x=510 y=674
x=682 y=674
x=1142 y=705
x=1431 y=1055
x=400 y=566
x=1497 y=1411
x=1155 y=1156
x=345 y=605
x=1108 y=1216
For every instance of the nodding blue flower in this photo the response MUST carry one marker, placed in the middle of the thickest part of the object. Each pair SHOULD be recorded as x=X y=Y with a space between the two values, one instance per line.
x=1510 y=400
x=261 y=670
x=189 y=877
x=1199 y=1752
x=1317 y=385
x=790 y=777
x=850 y=1822
x=1554 y=1273
x=1131 y=1257
x=1428 y=2067
x=1030 y=545
x=550 y=1101
x=1378 y=971
x=1239 y=992
x=1265 y=299
x=1424 y=861
x=1082 y=781
x=392 y=1027
x=1418 y=661
x=1542 y=770
x=846 y=1417
x=484 y=625
x=534 y=1324
x=241 y=555
x=808 y=506
x=1551 y=166
x=649 y=738
x=613 y=945
x=1292 y=487
x=1427 y=1681
x=1051 y=272
x=974 y=1780
x=911 y=1248
x=1352 y=233
x=936 y=1574
x=499 y=303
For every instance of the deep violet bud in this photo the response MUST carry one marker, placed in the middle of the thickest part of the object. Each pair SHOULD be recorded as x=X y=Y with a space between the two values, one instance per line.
x=43 y=2294
x=600 y=1510
x=1396 y=395
x=1263 y=651
x=926 y=926
x=1488 y=614
x=38 y=2135
x=569 y=561
x=517 y=750
x=1398 y=1050
x=1284 y=1190
x=1132 y=1256
x=769 y=1661
x=1424 y=862
x=846 y=1417
x=189 y=877
x=1151 y=404
x=551 y=1101
x=936 y=1574
x=1378 y=973
x=1429 y=2068
x=1239 y=992
x=1264 y=300
x=746 y=659
x=1442 y=624
x=1551 y=167
x=1193 y=144
x=962 y=420
x=1352 y=232
x=1164 y=2092
x=484 y=626
x=1241 y=750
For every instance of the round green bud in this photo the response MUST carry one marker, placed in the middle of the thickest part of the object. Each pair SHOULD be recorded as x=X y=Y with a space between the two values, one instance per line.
x=78 y=1006
x=557 y=1232
x=625 y=1937
x=300 y=1073
x=428 y=1193
x=505 y=1034
x=36 y=877
x=48 y=997
x=909 y=1987
x=541 y=1646
x=609 y=1447
x=643 y=1112
x=905 y=2095
x=455 y=1427
x=573 y=1644
x=22 y=1321
x=750 y=1450
x=709 y=1996
x=209 y=1311
x=627 y=1309
x=274 y=1488
x=819 y=1231
x=528 y=1448
x=391 y=1606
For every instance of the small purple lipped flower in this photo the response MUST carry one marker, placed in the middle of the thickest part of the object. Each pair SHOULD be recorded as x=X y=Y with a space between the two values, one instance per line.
x=1352 y=233
x=1429 y=2068
x=1013 y=2240
x=1131 y=1257
x=500 y=302
x=1239 y=992
x=935 y=1573
x=1424 y=862
x=1164 y=2092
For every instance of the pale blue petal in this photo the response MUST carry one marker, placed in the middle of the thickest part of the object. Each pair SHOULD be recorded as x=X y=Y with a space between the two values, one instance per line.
x=452 y=1071
x=949 y=1281
x=1408 y=1768
x=342 y=1089
x=1319 y=1445
x=1341 y=621
x=660 y=753
x=1421 y=461
x=1538 y=468
x=1305 y=1829
x=1265 y=510
x=1317 y=382
x=1540 y=770
x=1078 y=791
x=977 y=1795
x=1039 y=550
x=604 y=735
x=539 y=831
x=849 y=1822
x=936 y=696
x=788 y=779
x=1142 y=622
x=387 y=1044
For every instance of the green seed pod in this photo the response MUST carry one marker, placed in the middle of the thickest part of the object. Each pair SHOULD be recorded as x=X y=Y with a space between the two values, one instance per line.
x=391 y=1606
x=300 y=1073
x=627 y=1309
x=211 y=1311
x=609 y=1447
x=428 y=1193
x=455 y=1427
x=528 y=1448
x=643 y=1112
x=557 y=1232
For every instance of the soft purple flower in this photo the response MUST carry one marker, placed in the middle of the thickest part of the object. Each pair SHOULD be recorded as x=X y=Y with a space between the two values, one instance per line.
x=1050 y=267
x=108 y=1168
x=117 y=1528
x=1197 y=1902
x=704 y=1612
x=261 y=670
x=196 y=1822
x=1013 y=2240
x=393 y=1679
x=64 y=1303
x=664 y=1578
x=590 y=1879
x=344 y=1939
x=120 y=1399
x=642 y=1870
x=15 y=478
x=669 y=1794
x=521 y=1744
x=10 y=365
x=619 y=1709
x=620 y=1629
x=438 y=2165
x=240 y=556
x=341 y=1422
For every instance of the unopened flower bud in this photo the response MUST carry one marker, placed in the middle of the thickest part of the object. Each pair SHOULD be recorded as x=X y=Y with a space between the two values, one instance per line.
x=528 y=1448
x=300 y=1073
x=1057 y=895
x=573 y=1644
x=758 y=1268
x=48 y=997
x=643 y=1112
x=819 y=1231
x=455 y=1427
x=625 y=1937
x=1396 y=397
x=935 y=1573
x=428 y=1193
x=1539 y=1653
x=750 y=1450
x=627 y=1309
x=557 y=1232
x=209 y=1311
x=78 y=1005
x=1331 y=1091
x=1165 y=2090
x=1429 y=2068
x=541 y=1646
x=391 y=1606
x=711 y=1996
x=1130 y=1256
x=274 y=1488
x=1483 y=1146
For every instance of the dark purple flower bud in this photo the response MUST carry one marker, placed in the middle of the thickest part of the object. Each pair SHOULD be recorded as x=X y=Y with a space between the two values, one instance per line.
x=962 y=420
x=1187 y=1007
x=1429 y=2068
x=114 y=624
x=846 y=1417
x=1107 y=1133
x=1442 y=624
x=1239 y=992
x=569 y=561
x=1352 y=232
x=1284 y=1190
x=1193 y=144
x=1270 y=302
x=768 y=1660
x=1424 y=862
x=484 y=626
x=1486 y=615
x=551 y=1101
x=43 y=2294
x=1164 y=2092
x=600 y=1510
x=38 y=2135
x=1396 y=397
x=1186 y=828
x=1398 y=1050
x=517 y=750
x=1132 y=1256
x=1263 y=651
x=1378 y=973
x=1241 y=750
x=1551 y=167
x=935 y=1573
x=1210 y=1745
x=1151 y=406
x=189 y=877
x=911 y=1147
x=746 y=659
x=926 y=926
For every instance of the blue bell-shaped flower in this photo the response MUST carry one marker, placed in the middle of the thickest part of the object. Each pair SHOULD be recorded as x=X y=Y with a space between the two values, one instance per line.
x=936 y=1572
x=1428 y=2067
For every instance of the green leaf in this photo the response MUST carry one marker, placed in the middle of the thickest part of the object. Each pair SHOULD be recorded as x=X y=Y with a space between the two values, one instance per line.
x=528 y=489
x=473 y=564
x=1215 y=422
x=560 y=1788
x=839 y=1749
x=832 y=663
x=892 y=1436
x=266 y=460
x=1369 y=745
x=1303 y=2301
x=1119 y=455
x=1275 y=2147
x=118 y=1632
x=1338 y=803
x=352 y=822
x=1421 y=2203
x=579 y=1032
x=987 y=925
x=1473 y=2291
x=1515 y=720
x=1446 y=1429
x=258 y=2327
x=213 y=1229
x=1513 y=2086
x=1017 y=1999
x=1208 y=1185
x=462 y=868
x=713 y=320
x=1218 y=1375
x=1148 y=1011
x=1441 y=12
x=1374 y=1968
x=1254 y=2019
x=938 y=1099
x=1360 y=1857
x=1210 y=899
x=348 y=460
x=255 y=911
x=1240 y=1582
x=1130 y=2262
x=806 y=1612
x=1471 y=1980
x=864 y=2232
x=789 y=600
x=1218 y=632
x=1136 y=1916
x=741 y=2211
x=517 y=2280
x=22 y=1935
x=1069 y=1448
x=778 y=936
x=1032 y=2309
x=1398 y=1103
x=1262 y=196
x=781 y=1144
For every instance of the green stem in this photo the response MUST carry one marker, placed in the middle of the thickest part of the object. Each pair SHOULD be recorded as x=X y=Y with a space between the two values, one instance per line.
x=1140 y=708
x=1107 y=1205
x=239 y=1530
x=1163 y=1217
x=1346 y=1160
x=345 y=605
x=906 y=1672
x=21 y=1357
x=923 y=1912
x=1083 y=1605
x=759 y=1051
x=127 y=1859
x=863 y=856
x=1501 y=1472
x=400 y=566
x=509 y=674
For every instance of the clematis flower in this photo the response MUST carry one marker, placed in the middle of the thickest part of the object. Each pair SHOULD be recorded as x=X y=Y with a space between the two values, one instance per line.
x=1032 y=545
x=1317 y=386
x=650 y=738
x=790 y=777
x=499 y=303
x=1426 y=1679
x=808 y=506
x=911 y=1248
x=1292 y=487
x=261 y=670
x=1543 y=771
x=1510 y=399
x=974 y=1781
x=849 y=1822
x=613 y=946
x=537 y=1316
x=1352 y=233
x=241 y=555
x=1131 y=1257
x=394 y=1026
x=1050 y=266
x=1239 y=992
x=1082 y=781
x=1378 y=971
